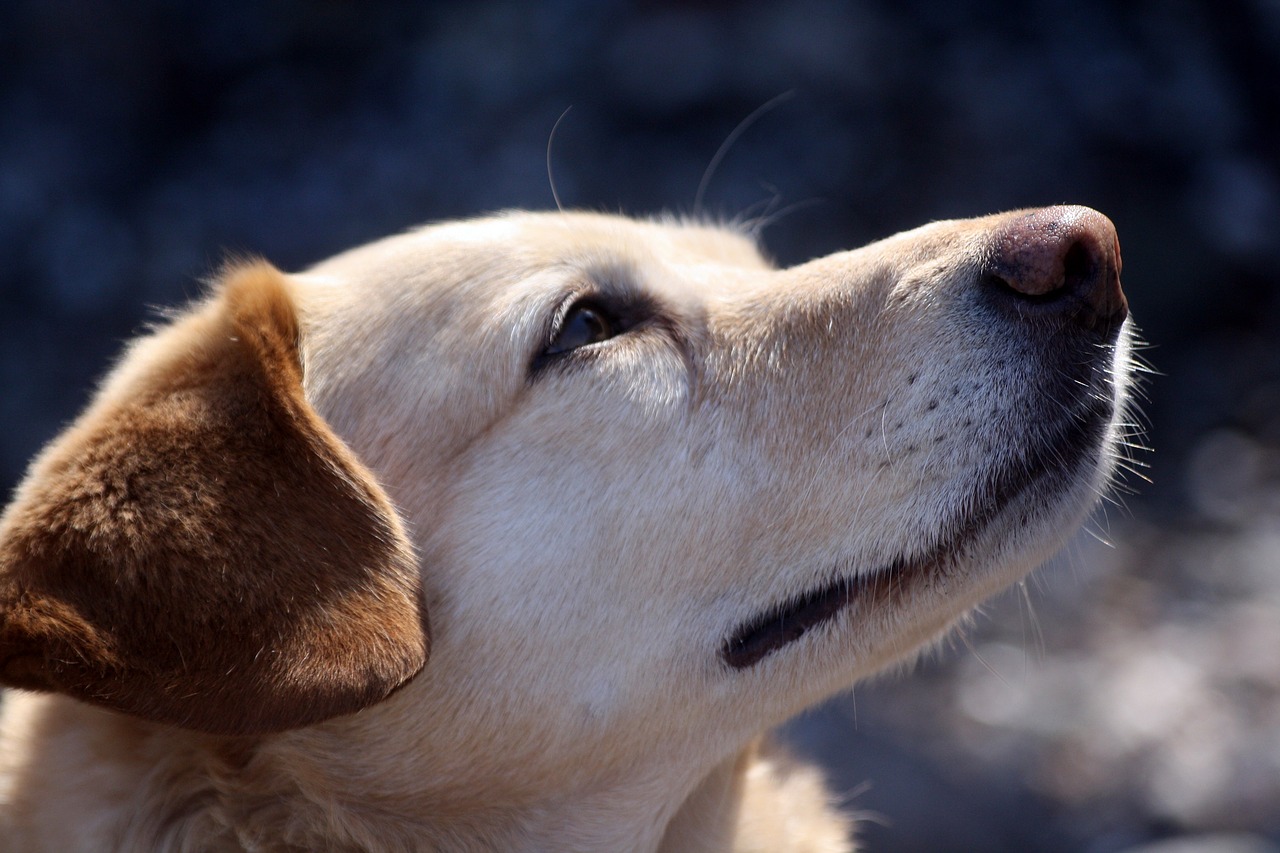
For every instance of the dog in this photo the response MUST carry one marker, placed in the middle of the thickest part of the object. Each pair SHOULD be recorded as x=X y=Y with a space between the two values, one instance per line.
x=517 y=533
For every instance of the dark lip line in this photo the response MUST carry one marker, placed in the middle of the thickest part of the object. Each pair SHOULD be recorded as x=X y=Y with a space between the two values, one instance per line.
x=1051 y=465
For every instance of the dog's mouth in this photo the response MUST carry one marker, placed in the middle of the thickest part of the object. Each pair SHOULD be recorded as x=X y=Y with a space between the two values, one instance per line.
x=1044 y=473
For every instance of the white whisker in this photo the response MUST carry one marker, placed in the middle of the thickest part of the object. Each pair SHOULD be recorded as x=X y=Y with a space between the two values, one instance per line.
x=733 y=137
x=550 y=141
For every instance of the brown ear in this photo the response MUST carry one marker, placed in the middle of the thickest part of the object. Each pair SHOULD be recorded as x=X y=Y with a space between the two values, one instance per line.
x=200 y=549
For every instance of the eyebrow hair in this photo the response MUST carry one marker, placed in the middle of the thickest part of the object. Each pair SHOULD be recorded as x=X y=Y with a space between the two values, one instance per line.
x=620 y=280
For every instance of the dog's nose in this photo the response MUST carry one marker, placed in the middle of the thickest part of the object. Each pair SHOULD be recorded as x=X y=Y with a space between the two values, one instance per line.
x=1063 y=261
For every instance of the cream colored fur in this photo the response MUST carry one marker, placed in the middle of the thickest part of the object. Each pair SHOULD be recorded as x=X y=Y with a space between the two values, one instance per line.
x=589 y=533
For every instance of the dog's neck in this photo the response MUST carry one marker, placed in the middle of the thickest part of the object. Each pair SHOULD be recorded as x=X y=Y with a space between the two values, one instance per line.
x=166 y=786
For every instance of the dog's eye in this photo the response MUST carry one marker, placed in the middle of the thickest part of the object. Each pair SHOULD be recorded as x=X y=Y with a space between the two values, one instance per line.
x=584 y=324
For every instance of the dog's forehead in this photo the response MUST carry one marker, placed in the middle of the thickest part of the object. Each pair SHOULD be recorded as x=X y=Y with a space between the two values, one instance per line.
x=519 y=243
x=549 y=238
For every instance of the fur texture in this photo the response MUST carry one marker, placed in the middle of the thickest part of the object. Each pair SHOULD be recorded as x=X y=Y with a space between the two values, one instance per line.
x=656 y=495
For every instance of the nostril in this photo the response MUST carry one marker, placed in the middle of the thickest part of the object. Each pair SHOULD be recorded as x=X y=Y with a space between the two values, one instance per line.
x=1079 y=268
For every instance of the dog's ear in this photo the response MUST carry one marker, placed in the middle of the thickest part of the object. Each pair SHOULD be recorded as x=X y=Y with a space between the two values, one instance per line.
x=200 y=549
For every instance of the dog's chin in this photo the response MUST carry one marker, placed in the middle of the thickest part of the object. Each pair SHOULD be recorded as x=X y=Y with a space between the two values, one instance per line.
x=1025 y=494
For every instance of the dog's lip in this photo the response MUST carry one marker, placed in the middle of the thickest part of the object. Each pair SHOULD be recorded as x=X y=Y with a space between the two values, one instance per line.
x=1049 y=469
x=788 y=622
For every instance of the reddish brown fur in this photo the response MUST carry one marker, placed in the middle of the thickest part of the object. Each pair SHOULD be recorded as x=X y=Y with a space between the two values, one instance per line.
x=201 y=549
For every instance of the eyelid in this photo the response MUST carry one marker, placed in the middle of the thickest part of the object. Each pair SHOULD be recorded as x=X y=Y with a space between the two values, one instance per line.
x=566 y=304
x=555 y=323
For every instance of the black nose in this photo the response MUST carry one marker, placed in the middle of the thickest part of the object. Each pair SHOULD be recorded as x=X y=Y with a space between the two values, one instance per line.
x=1059 y=261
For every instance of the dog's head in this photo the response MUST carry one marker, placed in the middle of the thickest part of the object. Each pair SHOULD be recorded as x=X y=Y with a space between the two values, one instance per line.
x=647 y=488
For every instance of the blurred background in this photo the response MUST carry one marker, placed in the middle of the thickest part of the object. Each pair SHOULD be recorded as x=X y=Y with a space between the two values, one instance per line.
x=1126 y=695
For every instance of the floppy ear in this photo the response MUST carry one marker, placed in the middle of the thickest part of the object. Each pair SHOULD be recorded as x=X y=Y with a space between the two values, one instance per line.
x=200 y=549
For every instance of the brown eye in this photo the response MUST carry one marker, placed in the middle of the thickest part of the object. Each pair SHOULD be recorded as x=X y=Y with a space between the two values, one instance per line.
x=583 y=325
